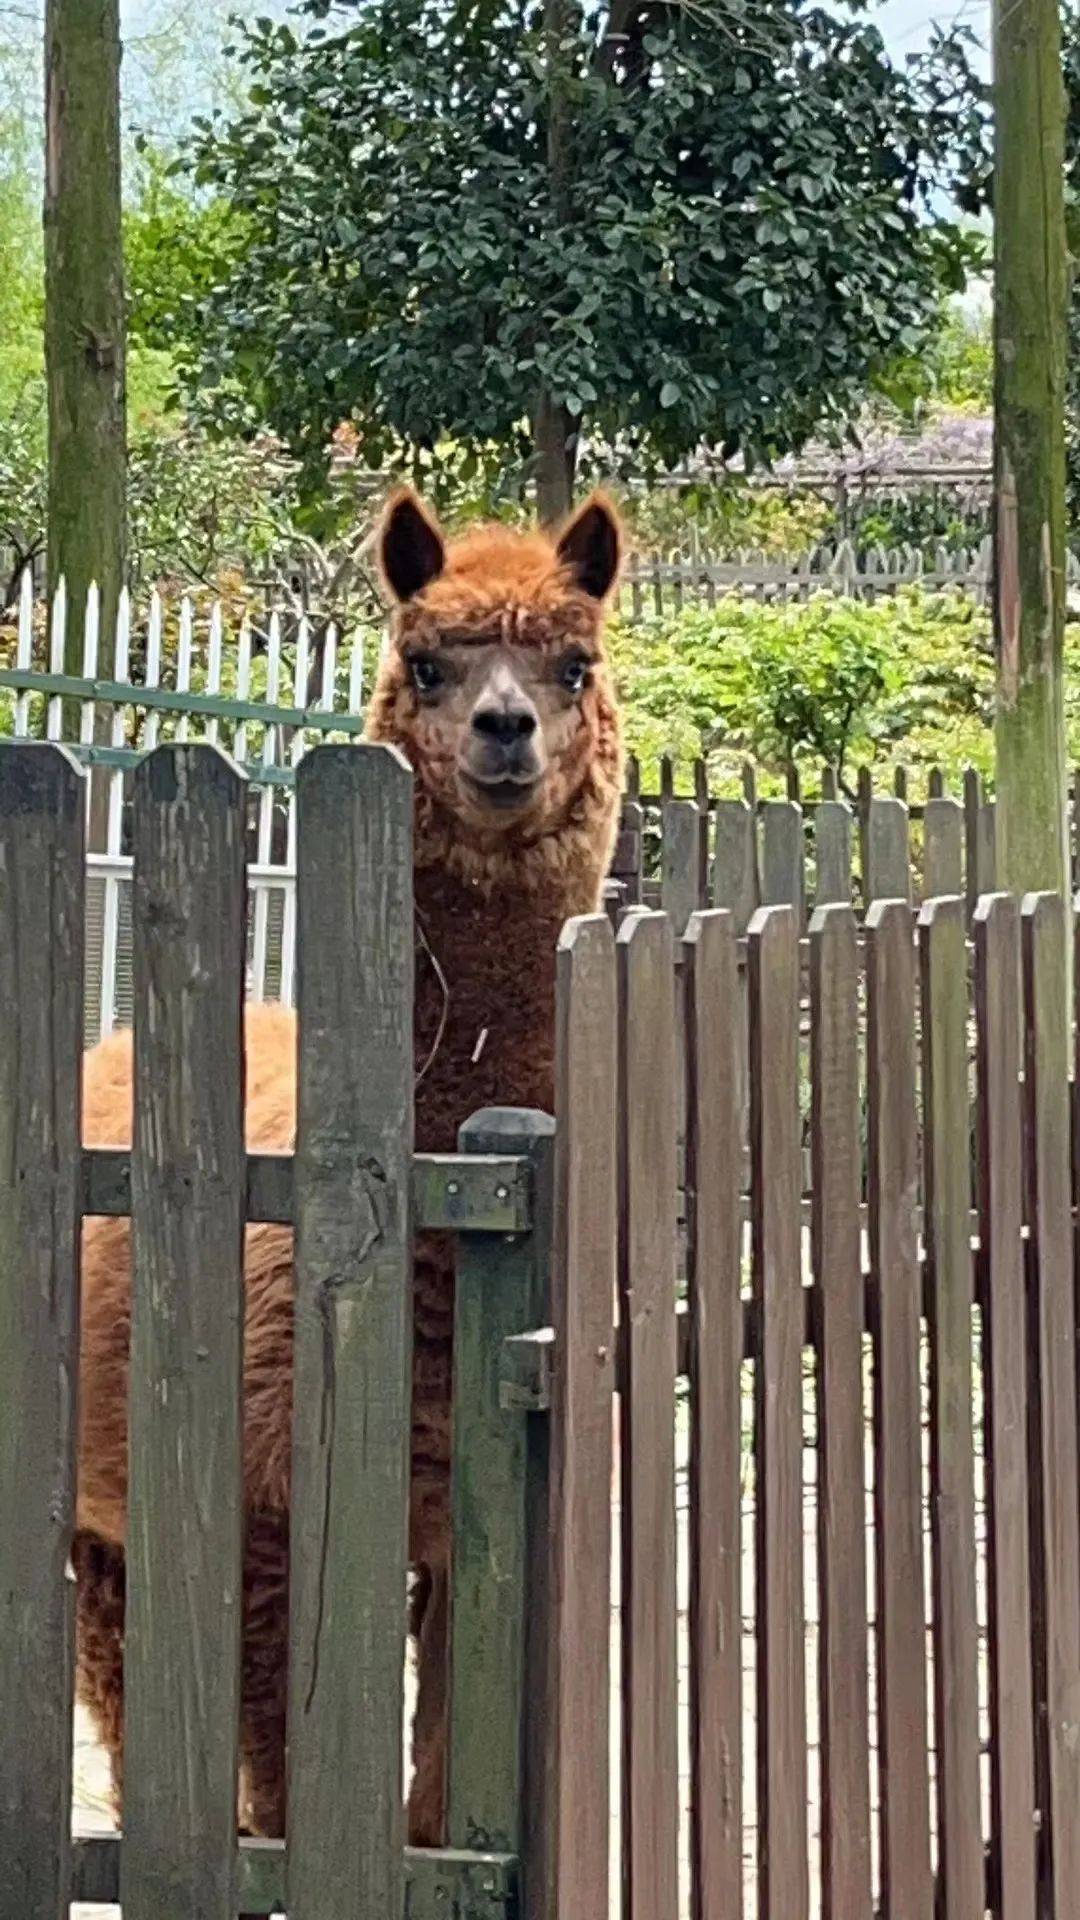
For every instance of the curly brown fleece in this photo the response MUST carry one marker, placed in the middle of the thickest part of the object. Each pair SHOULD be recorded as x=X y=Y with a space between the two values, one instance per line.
x=489 y=907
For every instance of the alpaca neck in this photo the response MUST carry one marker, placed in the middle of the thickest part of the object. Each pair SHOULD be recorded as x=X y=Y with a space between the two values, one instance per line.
x=485 y=991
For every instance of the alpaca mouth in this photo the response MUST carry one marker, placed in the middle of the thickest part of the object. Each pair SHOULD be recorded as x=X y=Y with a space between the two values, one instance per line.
x=505 y=793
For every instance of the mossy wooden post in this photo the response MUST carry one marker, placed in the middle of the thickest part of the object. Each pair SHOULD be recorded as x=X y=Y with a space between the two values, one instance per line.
x=352 y=1369
x=1029 y=529
x=500 y=1485
x=42 y=878
x=84 y=314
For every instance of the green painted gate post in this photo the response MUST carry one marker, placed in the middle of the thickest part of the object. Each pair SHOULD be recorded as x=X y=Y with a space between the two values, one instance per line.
x=497 y=1616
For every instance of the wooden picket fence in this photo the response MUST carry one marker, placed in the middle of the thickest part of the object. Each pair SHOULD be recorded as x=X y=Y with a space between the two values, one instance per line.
x=738 y=851
x=880 y=1716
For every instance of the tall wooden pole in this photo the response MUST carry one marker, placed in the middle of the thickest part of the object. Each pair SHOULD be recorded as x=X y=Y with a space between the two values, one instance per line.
x=1029 y=398
x=553 y=426
x=84 y=312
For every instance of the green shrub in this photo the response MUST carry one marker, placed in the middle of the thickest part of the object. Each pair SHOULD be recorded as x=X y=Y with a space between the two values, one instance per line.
x=831 y=681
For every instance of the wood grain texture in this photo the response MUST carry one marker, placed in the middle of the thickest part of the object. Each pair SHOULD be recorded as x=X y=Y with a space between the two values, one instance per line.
x=1052 y=1379
x=566 y=1854
x=452 y=1192
x=949 y=1293
x=351 y=1399
x=783 y=856
x=776 y=1189
x=997 y=973
x=682 y=828
x=833 y=830
x=943 y=848
x=42 y=869
x=185 y=1525
x=907 y=1888
x=735 y=861
x=647 y=1253
x=886 y=851
x=501 y=1291
x=714 y=1289
x=837 y=1262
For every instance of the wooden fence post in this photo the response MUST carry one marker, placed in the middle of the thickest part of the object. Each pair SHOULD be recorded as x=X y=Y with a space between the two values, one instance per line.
x=714 y=1053
x=949 y=1294
x=647 y=1252
x=776 y=1190
x=1052 y=1379
x=189 y=1190
x=567 y=1842
x=836 y=1162
x=352 y=1377
x=1005 y=1364
x=499 y=1491
x=893 y=1184
x=42 y=881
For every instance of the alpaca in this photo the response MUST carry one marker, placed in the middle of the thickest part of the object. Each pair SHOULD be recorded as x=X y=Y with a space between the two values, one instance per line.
x=496 y=689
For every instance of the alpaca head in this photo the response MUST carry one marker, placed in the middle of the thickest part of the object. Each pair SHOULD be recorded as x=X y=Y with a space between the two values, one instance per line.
x=495 y=685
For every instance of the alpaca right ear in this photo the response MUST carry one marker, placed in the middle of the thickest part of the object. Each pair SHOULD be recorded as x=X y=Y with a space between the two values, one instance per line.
x=410 y=546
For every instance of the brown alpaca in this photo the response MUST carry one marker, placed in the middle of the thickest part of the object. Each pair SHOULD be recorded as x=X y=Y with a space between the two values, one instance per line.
x=496 y=689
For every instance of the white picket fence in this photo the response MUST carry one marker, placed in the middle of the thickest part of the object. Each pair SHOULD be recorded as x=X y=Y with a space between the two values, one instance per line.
x=187 y=678
x=655 y=585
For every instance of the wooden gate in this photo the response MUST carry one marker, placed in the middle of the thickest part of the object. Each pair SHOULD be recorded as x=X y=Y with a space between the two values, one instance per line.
x=766 y=1588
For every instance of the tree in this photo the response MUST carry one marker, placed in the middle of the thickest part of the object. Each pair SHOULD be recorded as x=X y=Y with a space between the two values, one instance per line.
x=1029 y=402
x=84 y=310
x=494 y=237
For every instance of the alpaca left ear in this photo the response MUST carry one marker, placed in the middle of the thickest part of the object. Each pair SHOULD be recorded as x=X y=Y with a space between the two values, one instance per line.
x=590 y=546
x=410 y=545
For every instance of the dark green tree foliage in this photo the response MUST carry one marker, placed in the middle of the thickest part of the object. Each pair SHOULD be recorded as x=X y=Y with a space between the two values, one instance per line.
x=737 y=248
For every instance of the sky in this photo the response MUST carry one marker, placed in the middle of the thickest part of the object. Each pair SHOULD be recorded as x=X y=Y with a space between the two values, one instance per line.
x=907 y=24
x=149 y=24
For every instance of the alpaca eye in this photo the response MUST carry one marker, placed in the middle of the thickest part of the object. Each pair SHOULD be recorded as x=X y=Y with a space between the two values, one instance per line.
x=427 y=673
x=573 y=673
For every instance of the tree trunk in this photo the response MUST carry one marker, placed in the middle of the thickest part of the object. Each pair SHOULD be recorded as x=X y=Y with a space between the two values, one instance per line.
x=1029 y=502
x=554 y=430
x=554 y=435
x=84 y=314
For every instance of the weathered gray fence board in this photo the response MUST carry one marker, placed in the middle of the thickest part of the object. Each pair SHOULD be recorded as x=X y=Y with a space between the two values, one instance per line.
x=947 y=1211
x=351 y=1400
x=893 y=1179
x=837 y=1261
x=568 y=1851
x=647 y=1267
x=833 y=827
x=1052 y=1364
x=182 y=1634
x=1000 y=1161
x=42 y=916
x=452 y=1193
x=783 y=856
x=735 y=862
x=886 y=858
x=715 y=1311
x=776 y=1189
x=943 y=848
x=501 y=1293
x=680 y=876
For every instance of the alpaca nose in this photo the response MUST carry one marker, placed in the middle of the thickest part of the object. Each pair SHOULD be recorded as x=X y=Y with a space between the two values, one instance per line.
x=508 y=722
